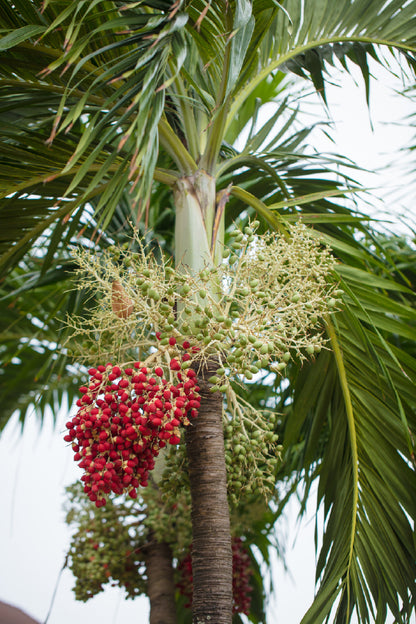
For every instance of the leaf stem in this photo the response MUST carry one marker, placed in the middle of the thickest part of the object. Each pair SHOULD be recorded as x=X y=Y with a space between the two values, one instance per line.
x=353 y=440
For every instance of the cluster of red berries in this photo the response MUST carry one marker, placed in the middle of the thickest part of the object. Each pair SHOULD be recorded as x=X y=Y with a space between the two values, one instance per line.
x=241 y=577
x=125 y=416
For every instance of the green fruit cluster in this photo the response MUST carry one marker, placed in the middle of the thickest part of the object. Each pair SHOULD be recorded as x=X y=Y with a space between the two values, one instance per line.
x=257 y=310
x=107 y=546
x=252 y=454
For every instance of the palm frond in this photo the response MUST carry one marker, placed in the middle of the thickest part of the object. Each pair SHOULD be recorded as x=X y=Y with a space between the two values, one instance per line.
x=355 y=414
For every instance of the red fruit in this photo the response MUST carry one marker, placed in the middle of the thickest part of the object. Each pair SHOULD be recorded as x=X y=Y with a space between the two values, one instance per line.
x=117 y=371
x=172 y=341
x=159 y=371
x=186 y=344
x=174 y=365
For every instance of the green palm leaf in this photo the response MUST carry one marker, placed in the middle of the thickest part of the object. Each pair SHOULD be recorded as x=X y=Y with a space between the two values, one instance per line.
x=360 y=434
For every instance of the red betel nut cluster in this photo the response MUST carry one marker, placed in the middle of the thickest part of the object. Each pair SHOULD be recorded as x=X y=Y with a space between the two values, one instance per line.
x=125 y=416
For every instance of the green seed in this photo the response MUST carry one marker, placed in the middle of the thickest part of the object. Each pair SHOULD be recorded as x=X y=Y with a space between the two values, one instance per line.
x=214 y=379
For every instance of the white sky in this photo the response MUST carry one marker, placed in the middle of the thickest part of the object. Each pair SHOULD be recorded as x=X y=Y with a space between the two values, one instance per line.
x=36 y=467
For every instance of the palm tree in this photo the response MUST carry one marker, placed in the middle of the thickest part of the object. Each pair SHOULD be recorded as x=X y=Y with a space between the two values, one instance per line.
x=116 y=111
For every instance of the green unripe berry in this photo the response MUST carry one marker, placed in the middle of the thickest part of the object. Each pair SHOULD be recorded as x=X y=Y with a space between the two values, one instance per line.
x=153 y=294
x=310 y=349
x=236 y=245
x=242 y=291
x=295 y=298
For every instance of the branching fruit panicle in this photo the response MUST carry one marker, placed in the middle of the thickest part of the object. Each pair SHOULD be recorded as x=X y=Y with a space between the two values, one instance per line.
x=256 y=312
x=125 y=416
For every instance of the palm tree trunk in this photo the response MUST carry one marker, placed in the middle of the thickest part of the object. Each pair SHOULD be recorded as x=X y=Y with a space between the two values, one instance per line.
x=161 y=586
x=211 y=550
x=198 y=234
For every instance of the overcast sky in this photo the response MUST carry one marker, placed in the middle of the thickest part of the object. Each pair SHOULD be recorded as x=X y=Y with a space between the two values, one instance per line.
x=36 y=467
